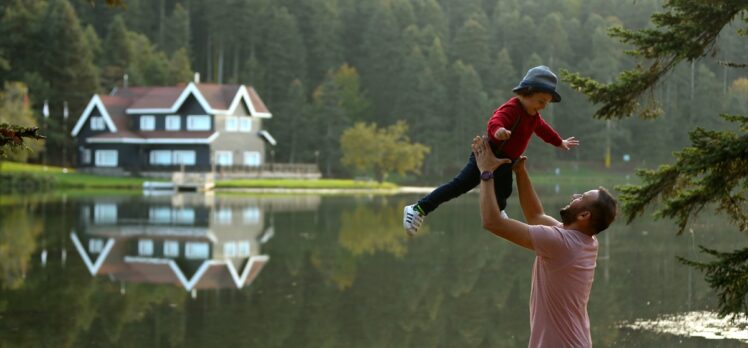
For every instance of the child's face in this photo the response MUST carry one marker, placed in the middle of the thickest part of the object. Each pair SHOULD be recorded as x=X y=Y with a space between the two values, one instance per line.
x=536 y=102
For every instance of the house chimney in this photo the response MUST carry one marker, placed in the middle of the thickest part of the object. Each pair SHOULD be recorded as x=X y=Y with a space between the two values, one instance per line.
x=197 y=77
x=124 y=81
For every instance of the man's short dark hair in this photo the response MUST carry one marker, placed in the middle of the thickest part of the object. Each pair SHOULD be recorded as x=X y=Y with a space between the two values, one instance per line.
x=603 y=210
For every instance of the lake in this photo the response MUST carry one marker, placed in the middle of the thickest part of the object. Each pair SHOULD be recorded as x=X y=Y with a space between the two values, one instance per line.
x=190 y=270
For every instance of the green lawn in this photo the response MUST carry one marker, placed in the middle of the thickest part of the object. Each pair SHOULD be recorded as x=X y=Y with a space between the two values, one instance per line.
x=303 y=184
x=69 y=178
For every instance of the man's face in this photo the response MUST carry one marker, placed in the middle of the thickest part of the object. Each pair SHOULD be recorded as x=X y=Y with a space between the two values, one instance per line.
x=537 y=102
x=578 y=204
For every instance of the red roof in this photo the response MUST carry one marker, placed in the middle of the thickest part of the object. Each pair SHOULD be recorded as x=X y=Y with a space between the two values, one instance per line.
x=217 y=97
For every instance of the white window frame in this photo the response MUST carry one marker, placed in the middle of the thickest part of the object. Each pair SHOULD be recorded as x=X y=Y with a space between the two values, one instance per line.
x=97 y=123
x=245 y=124
x=160 y=158
x=95 y=245
x=173 y=123
x=171 y=248
x=252 y=159
x=186 y=157
x=229 y=249
x=105 y=213
x=106 y=158
x=224 y=158
x=251 y=215
x=145 y=247
x=196 y=250
x=232 y=123
x=147 y=123
x=243 y=248
x=184 y=216
x=223 y=216
x=198 y=123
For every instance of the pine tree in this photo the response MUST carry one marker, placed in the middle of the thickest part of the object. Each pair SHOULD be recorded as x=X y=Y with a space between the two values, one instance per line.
x=331 y=120
x=118 y=53
x=714 y=169
x=177 y=30
x=284 y=56
x=471 y=45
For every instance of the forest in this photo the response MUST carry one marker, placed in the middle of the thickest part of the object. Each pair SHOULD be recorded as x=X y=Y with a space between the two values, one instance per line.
x=321 y=66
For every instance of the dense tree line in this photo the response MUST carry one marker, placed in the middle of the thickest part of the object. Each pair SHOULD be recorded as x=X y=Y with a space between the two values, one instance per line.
x=442 y=66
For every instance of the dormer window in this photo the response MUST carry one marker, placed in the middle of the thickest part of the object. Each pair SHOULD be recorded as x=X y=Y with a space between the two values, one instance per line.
x=97 y=123
x=147 y=123
x=245 y=124
x=173 y=122
x=232 y=123
x=198 y=122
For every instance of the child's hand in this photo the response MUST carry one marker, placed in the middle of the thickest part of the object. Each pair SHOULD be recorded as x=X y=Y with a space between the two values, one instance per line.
x=568 y=143
x=502 y=134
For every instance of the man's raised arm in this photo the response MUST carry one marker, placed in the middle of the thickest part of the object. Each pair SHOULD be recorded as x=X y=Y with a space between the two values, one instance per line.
x=528 y=199
x=511 y=230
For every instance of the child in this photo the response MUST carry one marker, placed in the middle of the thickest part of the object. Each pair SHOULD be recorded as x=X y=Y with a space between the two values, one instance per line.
x=509 y=131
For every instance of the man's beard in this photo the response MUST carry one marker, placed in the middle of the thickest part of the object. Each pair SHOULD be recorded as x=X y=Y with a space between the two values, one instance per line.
x=568 y=215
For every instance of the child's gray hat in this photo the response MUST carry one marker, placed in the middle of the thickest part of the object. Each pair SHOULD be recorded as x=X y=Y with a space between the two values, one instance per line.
x=540 y=78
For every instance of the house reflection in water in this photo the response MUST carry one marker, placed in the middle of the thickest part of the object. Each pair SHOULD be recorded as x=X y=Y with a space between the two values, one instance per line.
x=194 y=241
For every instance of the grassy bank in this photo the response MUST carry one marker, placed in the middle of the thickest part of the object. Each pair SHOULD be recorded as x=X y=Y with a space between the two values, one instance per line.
x=70 y=179
x=303 y=184
x=67 y=178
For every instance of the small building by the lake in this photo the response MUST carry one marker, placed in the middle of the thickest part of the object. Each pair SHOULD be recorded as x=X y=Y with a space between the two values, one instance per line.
x=194 y=127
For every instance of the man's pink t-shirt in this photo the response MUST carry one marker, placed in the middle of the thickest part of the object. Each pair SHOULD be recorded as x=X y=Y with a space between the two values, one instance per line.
x=562 y=278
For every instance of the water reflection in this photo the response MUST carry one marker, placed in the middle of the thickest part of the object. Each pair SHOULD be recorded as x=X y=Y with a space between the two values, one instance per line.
x=193 y=241
x=343 y=274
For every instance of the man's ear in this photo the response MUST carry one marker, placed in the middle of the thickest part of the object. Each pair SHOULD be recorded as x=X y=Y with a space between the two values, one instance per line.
x=584 y=215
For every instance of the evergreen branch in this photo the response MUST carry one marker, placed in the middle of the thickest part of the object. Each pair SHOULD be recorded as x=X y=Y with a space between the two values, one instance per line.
x=710 y=171
x=687 y=30
x=728 y=275
x=732 y=64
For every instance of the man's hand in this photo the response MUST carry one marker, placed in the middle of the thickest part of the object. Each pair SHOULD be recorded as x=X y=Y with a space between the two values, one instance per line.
x=519 y=165
x=502 y=134
x=568 y=143
x=484 y=157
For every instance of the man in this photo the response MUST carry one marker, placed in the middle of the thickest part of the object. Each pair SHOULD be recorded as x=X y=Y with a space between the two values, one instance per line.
x=566 y=251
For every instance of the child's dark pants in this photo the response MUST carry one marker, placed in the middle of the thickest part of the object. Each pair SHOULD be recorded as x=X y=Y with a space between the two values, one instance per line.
x=465 y=181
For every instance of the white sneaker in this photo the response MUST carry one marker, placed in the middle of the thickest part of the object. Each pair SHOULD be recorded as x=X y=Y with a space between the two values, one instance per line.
x=412 y=220
x=503 y=214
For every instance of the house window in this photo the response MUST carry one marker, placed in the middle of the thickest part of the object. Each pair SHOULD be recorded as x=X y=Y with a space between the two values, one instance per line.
x=186 y=157
x=198 y=122
x=224 y=158
x=147 y=123
x=97 y=123
x=245 y=124
x=184 y=216
x=196 y=250
x=229 y=249
x=85 y=156
x=223 y=216
x=145 y=247
x=251 y=158
x=171 y=248
x=243 y=249
x=106 y=158
x=105 y=213
x=251 y=215
x=160 y=157
x=95 y=245
x=159 y=215
x=173 y=122
x=232 y=123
